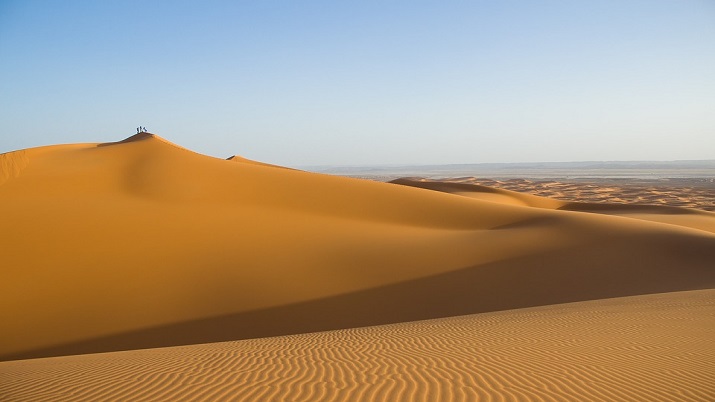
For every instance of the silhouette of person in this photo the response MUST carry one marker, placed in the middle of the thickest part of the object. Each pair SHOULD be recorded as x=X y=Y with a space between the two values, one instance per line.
x=137 y=130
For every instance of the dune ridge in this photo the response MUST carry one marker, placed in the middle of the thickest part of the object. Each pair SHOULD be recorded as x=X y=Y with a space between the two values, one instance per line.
x=143 y=136
x=117 y=246
x=652 y=347
x=11 y=164
x=241 y=159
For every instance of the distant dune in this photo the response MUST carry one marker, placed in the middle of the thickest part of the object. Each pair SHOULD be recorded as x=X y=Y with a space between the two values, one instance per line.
x=651 y=206
x=142 y=244
x=698 y=193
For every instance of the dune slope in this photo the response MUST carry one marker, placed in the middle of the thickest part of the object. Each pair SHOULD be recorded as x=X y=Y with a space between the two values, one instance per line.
x=142 y=243
x=653 y=347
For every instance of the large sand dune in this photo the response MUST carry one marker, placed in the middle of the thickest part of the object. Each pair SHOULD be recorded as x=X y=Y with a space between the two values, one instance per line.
x=142 y=243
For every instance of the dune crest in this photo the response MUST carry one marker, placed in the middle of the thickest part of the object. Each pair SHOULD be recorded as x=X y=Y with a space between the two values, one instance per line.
x=148 y=138
x=141 y=137
x=140 y=243
x=240 y=159
x=483 y=193
x=11 y=164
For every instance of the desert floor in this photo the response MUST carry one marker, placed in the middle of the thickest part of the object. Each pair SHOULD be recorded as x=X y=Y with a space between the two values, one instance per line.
x=140 y=270
x=677 y=192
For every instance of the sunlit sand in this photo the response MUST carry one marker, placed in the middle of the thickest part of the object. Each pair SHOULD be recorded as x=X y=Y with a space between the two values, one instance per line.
x=144 y=244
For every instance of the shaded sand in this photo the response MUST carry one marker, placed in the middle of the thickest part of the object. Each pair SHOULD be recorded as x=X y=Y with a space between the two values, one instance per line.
x=645 y=348
x=142 y=243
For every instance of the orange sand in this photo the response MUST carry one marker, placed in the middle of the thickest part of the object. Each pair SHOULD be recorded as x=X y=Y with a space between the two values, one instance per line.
x=591 y=201
x=641 y=348
x=142 y=243
x=689 y=193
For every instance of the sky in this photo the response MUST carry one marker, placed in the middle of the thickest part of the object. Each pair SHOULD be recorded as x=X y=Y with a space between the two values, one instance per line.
x=308 y=83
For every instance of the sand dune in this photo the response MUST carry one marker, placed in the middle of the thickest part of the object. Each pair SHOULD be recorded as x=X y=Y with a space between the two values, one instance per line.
x=240 y=159
x=654 y=347
x=11 y=164
x=655 y=211
x=142 y=243
x=690 y=193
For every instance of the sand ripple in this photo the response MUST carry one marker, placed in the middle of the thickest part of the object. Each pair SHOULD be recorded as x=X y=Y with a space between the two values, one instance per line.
x=701 y=196
x=654 y=347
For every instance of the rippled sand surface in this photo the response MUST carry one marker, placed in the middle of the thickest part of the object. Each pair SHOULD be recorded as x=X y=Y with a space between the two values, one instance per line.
x=654 y=347
x=690 y=193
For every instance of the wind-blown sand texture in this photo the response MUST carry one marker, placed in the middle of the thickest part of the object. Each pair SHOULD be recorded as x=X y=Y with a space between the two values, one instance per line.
x=690 y=193
x=653 y=347
x=524 y=189
x=141 y=244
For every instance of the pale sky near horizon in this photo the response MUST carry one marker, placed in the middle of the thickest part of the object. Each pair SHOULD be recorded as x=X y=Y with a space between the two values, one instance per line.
x=303 y=83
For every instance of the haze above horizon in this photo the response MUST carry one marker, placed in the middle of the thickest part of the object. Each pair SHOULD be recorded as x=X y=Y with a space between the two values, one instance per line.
x=322 y=83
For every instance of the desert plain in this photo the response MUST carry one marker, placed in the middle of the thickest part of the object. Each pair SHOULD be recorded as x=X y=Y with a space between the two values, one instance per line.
x=140 y=270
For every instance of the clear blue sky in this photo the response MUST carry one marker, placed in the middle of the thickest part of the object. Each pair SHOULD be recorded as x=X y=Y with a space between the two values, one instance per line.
x=354 y=83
